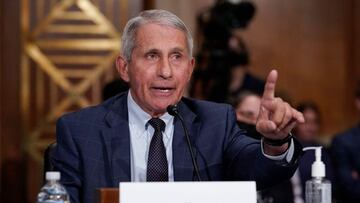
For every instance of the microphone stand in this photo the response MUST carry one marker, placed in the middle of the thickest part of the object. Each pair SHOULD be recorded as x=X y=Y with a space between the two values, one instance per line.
x=172 y=110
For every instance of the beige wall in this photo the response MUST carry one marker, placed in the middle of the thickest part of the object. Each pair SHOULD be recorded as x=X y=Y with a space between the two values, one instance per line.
x=311 y=43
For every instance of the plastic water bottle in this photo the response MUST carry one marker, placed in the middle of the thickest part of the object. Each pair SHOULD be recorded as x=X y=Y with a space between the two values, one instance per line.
x=53 y=191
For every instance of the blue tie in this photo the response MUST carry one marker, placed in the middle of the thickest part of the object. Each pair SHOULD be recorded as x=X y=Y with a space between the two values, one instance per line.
x=157 y=166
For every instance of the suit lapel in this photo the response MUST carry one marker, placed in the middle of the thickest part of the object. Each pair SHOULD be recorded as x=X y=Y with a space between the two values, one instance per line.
x=183 y=168
x=117 y=141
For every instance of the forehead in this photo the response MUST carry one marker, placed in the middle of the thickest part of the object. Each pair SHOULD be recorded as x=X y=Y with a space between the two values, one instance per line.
x=251 y=100
x=310 y=113
x=154 y=34
x=250 y=103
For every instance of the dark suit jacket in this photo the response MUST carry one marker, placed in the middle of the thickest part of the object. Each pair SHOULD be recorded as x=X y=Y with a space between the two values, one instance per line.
x=93 y=148
x=345 y=150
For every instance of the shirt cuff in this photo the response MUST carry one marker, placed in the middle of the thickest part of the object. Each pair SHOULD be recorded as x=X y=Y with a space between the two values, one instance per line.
x=286 y=156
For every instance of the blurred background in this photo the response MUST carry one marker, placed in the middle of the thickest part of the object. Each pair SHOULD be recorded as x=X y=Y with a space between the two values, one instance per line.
x=57 y=56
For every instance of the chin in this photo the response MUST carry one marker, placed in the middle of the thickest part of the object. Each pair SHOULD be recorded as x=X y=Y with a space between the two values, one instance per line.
x=161 y=108
x=163 y=102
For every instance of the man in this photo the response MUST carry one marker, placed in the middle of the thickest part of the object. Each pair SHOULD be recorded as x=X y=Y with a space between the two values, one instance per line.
x=113 y=142
x=345 y=150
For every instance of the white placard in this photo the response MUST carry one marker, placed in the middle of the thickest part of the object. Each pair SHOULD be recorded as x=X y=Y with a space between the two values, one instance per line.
x=188 y=192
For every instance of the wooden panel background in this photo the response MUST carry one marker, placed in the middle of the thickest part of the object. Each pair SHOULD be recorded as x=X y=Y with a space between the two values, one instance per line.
x=356 y=43
x=12 y=166
x=30 y=93
x=314 y=45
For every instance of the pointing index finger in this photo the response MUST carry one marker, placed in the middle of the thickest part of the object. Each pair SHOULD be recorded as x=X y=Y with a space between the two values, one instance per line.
x=269 y=91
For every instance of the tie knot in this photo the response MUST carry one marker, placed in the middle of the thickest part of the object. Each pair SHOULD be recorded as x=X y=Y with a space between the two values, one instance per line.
x=157 y=124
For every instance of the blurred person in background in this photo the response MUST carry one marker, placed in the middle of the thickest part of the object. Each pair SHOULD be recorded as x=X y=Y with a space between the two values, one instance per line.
x=308 y=132
x=345 y=150
x=247 y=108
x=223 y=59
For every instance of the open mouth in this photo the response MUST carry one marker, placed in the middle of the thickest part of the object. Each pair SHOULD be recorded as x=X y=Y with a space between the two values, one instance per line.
x=163 y=89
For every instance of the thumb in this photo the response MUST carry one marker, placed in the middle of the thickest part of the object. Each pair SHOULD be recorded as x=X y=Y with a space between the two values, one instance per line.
x=265 y=127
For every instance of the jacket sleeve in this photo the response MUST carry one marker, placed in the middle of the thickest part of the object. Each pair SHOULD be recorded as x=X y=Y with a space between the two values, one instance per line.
x=66 y=160
x=245 y=160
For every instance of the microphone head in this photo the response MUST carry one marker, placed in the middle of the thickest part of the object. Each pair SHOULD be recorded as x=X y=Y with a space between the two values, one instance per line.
x=172 y=110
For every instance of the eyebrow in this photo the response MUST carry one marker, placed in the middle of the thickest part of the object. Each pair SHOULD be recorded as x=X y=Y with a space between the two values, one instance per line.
x=153 y=50
x=177 y=49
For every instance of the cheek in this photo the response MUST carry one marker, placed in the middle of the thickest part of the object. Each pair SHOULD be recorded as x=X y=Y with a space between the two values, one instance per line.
x=184 y=75
x=314 y=127
x=137 y=74
x=301 y=128
x=135 y=81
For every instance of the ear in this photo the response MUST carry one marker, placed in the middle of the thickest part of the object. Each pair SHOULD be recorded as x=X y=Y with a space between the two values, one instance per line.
x=192 y=65
x=122 y=68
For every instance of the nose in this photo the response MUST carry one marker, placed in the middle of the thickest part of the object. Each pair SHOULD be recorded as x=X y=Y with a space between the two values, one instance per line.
x=165 y=70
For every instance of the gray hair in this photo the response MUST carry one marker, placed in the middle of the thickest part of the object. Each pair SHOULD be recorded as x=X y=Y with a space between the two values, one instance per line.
x=160 y=17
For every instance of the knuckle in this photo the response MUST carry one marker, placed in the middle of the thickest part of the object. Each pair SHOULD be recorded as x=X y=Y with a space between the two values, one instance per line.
x=289 y=115
x=279 y=100
x=278 y=121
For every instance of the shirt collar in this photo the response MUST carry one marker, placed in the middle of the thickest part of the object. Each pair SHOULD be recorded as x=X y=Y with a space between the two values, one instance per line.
x=139 y=117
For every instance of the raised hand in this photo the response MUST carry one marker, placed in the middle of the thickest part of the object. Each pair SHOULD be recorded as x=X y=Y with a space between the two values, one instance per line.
x=276 y=118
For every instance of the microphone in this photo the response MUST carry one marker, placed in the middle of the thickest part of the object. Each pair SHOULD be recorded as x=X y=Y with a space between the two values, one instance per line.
x=172 y=110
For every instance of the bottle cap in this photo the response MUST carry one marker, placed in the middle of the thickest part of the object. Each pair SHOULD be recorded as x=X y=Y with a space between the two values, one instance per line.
x=318 y=167
x=52 y=175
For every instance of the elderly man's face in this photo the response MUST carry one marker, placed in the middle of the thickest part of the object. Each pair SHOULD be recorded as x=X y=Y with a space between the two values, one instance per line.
x=159 y=69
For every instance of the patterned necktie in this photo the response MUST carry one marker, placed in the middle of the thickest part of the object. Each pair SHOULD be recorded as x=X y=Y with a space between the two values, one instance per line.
x=157 y=166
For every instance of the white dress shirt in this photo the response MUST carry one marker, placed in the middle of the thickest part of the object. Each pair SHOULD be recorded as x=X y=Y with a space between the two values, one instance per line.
x=297 y=187
x=140 y=137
